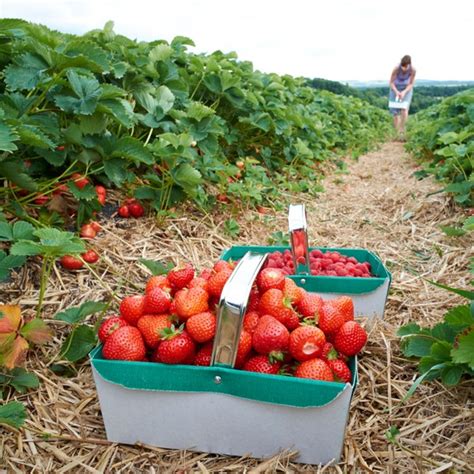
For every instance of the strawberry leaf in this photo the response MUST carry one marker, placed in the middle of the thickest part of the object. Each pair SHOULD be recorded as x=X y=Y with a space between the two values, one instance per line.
x=10 y=318
x=22 y=380
x=459 y=317
x=157 y=268
x=418 y=346
x=78 y=313
x=15 y=353
x=464 y=352
x=12 y=414
x=36 y=331
x=79 y=343
x=451 y=374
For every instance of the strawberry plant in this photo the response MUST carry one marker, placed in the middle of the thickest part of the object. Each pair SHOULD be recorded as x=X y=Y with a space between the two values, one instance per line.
x=446 y=350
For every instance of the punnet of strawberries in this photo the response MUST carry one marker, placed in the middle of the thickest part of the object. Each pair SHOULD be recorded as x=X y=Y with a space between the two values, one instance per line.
x=286 y=330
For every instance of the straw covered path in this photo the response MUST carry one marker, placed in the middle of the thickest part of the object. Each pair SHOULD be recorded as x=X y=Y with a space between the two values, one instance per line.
x=375 y=204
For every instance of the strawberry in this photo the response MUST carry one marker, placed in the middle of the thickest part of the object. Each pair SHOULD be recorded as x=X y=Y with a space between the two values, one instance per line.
x=91 y=256
x=151 y=325
x=191 y=301
x=60 y=189
x=136 y=209
x=71 y=263
x=216 y=283
x=176 y=347
x=126 y=343
x=309 y=305
x=158 y=281
x=101 y=198
x=315 y=369
x=244 y=348
x=202 y=326
x=100 y=190
x=109 y=326
x=181 y=275
x=328 y=352
x=87 y=232
x=157 y=301
x=262 y=364
x=203 y=356
x=250 y=321
x=306 y=342
x=345 y=306
x=96 y=226
x=123 y=211
x=79 y=180
x=270 y=336
x=274 y=303
x=206 y=273
x=340 y=370
x=223 y=265
x=199 y=281
x=254 y=299
x=350 y=338
x=41 y=200
x=270 y=278
x=330 y=319
x=131 y=308
x=292 y=291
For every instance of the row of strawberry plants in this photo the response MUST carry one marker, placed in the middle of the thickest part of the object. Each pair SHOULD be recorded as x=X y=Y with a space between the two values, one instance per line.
x=166 y=124
x=443 y=138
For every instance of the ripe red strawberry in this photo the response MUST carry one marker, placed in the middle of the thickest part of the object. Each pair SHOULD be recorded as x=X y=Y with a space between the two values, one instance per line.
x=330 y=319
x=96 y=226
x=125 y=343
x=223 y=265
x=176 y=347
x=79 y=180
x=206 y=273
x=131 y=308
x=306 y=342
x=191 y=301
x=136 y=209
x=309 y=305
x=87 y=232
x=100 y=190
x=123 y=211
x=270 y=336
x=262 y=364
x=181 y=275
x=345 y=306
x=250 y=321
x=292 y=291
x=216 y=282
x=91 y=256
x=158 y=281
x=71 y=263
x=274 y=303
x=328 y=352
x=270 y=278
x=315 y=369
x=157 y=301
x=203 y=356
x=151 y=325
x=198 y=281
x=202 y=326
x=244 y=348
x=109 y=326
x=254 y=299
x=340 y=370
x=350 y=338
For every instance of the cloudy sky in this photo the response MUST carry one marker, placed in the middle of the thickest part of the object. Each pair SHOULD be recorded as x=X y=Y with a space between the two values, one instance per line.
x=338 y=39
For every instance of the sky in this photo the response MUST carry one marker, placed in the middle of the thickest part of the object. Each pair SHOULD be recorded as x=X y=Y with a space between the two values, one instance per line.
x=334 y=39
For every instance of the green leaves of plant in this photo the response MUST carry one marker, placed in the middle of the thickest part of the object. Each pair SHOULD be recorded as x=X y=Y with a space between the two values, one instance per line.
x=7 y=138
x=463 y=352
x=78 y=313
x=18 y=230
x=157 y=268
x=12 y=414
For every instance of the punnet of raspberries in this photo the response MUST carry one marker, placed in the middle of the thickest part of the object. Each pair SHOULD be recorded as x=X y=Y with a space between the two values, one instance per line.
x=286 y=330
x=322 y=264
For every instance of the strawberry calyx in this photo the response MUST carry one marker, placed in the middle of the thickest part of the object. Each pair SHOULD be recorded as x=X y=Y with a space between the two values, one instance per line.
x=171 y=332
x=276 y=356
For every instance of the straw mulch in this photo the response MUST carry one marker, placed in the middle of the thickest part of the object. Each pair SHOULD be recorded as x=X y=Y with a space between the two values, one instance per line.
x=377 y=205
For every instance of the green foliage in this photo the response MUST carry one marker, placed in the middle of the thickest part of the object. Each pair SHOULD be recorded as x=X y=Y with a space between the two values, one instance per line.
x=12 y=414
x=442 y=137
x=18 y=379
x=231 y=227
x=164 y=122
x=445 y=351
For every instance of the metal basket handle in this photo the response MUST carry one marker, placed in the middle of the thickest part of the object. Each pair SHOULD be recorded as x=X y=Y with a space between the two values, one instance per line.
x=298 y=230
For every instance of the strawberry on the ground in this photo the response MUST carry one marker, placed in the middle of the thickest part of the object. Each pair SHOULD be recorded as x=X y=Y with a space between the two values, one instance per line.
x=136 y=209
x=181 y=275
x=131 y=308
x=345 y=306
x=123 y=211
x=176 y=347
x=309 y=305
x=71 y=263
x=216 y=282
x=191 y=301
x=270 y=336
x=350 y=338
x=109 y=326
x=91 y=256
x=158 y=281
x=202 y=326
x=316 y=369
x=126 y=343
x=270 y=278
x=203 y=356
x=157 y=301
x=87 y=231
x=244 y=348
x=250 y=321
x=96 y=226
x=306 y=342
x=340 y=370
x=262 y=364
x=330 y=319
x=151 y=325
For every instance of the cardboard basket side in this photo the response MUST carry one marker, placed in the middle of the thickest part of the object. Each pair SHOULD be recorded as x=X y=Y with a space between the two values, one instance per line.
x=244 y=413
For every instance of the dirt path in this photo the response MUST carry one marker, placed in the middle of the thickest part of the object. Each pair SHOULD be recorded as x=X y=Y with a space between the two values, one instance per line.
x=377 y=205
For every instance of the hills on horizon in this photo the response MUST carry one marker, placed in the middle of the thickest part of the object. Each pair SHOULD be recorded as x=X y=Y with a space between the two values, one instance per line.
x=419 y=82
